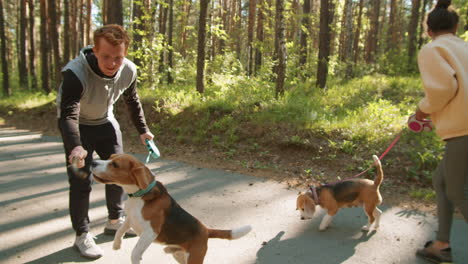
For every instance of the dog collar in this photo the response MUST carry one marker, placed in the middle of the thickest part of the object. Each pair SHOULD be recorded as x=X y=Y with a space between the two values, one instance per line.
x=140 y=192
x=313 y=190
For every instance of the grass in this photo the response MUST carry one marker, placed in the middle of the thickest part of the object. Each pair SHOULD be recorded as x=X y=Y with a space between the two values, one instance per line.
x=354 y=117
x=24 y=100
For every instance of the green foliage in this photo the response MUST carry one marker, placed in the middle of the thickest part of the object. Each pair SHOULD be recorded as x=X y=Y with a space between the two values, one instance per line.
x=22 y=99
x=356 y=117
x=423 y=194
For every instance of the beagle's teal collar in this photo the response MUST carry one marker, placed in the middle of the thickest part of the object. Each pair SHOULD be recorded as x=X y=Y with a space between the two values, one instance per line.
x=140 y=192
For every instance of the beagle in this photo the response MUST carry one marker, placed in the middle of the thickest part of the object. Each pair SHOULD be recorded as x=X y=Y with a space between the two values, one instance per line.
x=155 y=215
x=348 y=193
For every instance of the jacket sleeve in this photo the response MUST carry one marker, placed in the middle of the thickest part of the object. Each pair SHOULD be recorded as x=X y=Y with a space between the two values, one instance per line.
x=438 y=78
x=135 y=109
x=70 y=109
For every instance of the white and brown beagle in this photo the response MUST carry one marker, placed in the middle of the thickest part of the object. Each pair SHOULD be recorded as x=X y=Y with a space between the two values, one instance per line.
x=155 y=215
x=348 y=193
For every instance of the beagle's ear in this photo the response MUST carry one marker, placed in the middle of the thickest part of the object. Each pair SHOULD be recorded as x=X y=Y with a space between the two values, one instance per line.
x=299 y=201
x=142 y=176
x=309 y=202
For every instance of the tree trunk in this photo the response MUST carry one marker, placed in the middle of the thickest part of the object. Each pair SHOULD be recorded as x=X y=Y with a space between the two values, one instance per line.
x=44 y=48
x=421 y=24
x=260 y=36
x=326 y=19
x=138 y=27
x=74 y=47
x=23 y=71
x=162 y=31
x=224 y=20
x=357 y=36
x=66 y=32
x=412 y=30
x=3 y=51
x=373 y=32
x=392 y=35
x=81 y=23
x=201 y=45
x=170 y=54
x=54 y=37
x=281 y=48
x=32 y=46
x=304 y=32
x=238 y=28
x=114 y=12
x=105 y=3
x=250 y=30
x=346 y=28
x=88 y=23
x=211 y=37
x=184 y=20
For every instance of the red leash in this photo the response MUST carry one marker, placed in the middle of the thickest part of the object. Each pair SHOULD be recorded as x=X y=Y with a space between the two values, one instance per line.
x=380 y=158
x=383 y=154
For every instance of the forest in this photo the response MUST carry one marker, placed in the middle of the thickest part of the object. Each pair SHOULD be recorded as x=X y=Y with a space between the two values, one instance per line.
x=284 y=42
x=335 y=78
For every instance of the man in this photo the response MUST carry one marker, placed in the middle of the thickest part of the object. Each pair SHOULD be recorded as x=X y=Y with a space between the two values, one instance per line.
x=92 y=83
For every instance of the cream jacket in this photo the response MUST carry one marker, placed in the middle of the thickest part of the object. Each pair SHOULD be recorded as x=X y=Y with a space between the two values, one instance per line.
x=443 y=64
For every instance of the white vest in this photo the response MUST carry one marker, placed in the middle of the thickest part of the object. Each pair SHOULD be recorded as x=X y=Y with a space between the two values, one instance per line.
x=99 y=93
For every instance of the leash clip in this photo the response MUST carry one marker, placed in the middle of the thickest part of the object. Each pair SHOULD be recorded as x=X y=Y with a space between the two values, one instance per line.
x=418 y=126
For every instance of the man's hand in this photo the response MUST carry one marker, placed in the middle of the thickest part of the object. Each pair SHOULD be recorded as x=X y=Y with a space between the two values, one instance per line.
x=80 y=153
x=420 y=115
x=148 y=135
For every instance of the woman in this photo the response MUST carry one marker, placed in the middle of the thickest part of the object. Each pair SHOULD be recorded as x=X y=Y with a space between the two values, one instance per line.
x=443 y=64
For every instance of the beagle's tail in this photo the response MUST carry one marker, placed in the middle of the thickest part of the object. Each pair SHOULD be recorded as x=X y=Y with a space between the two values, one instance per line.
x=229 y=234
x=379 y=178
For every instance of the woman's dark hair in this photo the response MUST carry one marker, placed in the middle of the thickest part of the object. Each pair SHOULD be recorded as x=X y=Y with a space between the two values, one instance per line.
x=443 y=17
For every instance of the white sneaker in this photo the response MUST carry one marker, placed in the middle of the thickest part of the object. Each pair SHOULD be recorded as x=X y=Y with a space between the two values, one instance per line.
x=110 y=228
x=86 y=246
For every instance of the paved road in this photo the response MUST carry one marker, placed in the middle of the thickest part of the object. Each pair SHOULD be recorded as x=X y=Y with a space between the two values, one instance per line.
x=35 y=226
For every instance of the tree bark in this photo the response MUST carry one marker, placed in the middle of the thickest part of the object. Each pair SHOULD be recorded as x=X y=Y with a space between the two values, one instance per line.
x=54 y=37
x=44 y=48
x=184 y=20
x=66 y=32
x=260 y=36
x=114 y=12
x=88 y=22
x=32 y=46
x=412 y=30
x=304 y=32
x=170 y=54
x=74 y=47
x=250 y=30
x=346 y=29
x=281 y=48
x=238 y=28
x=373 y=32
x=357 y=35
x=3 y=51
x=392 y=35
x=81 y=23
x=326 y=19
x=421 y=23
x=162 y=31
x=201 y=46
x=105 y=3
x=138 y=27
x=22 y=62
